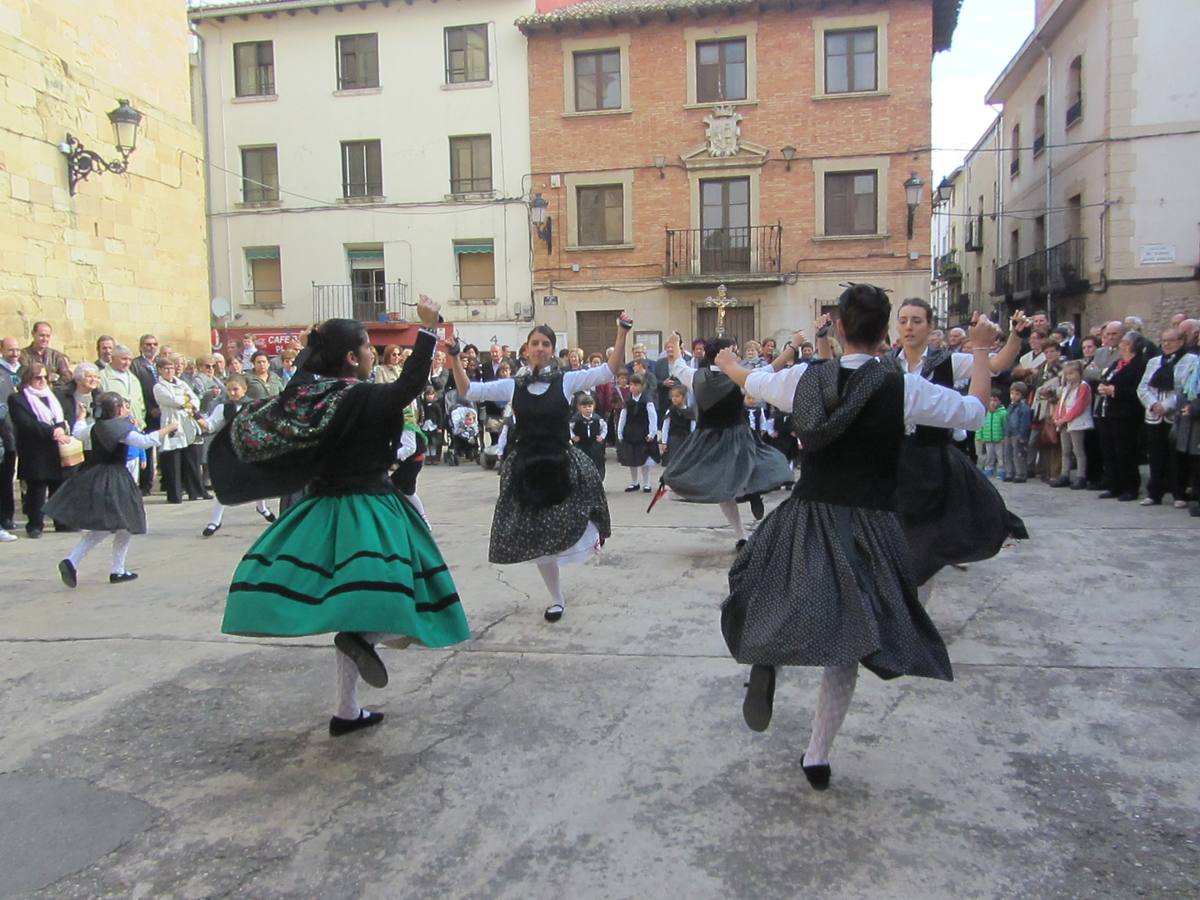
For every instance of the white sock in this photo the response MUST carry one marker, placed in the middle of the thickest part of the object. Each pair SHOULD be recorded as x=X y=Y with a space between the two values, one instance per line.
x=218 y=514
x=347 y=687
x=549 y=571
x=734 y=518
x=633 y=475
x=121 y=541
x=645 y=476
x=418 y=506
x=833 y=699
x=86 y=544
x=262 y=507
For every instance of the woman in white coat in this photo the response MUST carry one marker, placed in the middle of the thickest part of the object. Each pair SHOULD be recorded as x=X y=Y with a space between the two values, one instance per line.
x=180 y=454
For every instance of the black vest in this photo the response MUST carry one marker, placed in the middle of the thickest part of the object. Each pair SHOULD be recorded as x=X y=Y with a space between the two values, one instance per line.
x=585 y=429
x=679 y=424
x=541 y=418
x=942 y=374
x=719 y=402
x=637 y=420
x=860 y=467
x=107 y=446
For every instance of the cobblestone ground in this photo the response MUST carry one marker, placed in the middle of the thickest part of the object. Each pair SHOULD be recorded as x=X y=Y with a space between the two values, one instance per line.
x=146 y=755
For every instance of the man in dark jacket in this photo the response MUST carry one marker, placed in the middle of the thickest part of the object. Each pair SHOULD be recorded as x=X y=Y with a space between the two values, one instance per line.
x=145 y=367
x=10 y=377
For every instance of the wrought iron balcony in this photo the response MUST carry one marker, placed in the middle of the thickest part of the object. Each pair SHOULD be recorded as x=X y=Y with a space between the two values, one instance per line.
x=366 y=303
x=730 y=255
x=946 y=268
x=1059 y=269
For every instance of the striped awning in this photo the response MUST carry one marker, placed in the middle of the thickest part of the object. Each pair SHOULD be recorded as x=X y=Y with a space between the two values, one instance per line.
x=262 y=253
x=475 y=247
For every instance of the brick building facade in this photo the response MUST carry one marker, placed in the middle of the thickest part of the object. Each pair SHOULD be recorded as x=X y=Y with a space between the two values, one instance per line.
x=765 y=146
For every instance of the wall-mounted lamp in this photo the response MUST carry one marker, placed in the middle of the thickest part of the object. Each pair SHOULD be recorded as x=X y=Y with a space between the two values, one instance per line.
x=82 y=162
x=660 y=163
x=541 y=221
x=789 y=153
x=945 y=192
x=912 y=194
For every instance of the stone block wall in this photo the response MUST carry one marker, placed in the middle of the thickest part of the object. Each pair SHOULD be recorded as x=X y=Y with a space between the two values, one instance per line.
x=127 y=253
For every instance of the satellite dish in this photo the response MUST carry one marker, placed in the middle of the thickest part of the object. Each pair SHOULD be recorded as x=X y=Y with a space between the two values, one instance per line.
x=220 y=307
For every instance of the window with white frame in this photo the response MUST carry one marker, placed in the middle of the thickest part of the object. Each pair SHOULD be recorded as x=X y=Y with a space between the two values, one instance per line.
x=357 y=61
x=260 y=175
x=254 y=69
x=466 y=54
x=362 y=169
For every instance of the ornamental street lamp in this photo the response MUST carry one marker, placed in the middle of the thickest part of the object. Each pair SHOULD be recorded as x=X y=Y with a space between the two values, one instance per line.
x=542 y=222
x=82 y=162
x=912 y=193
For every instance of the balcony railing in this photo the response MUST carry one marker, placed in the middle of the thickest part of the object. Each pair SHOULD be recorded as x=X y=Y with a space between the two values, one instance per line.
x=371 y=303
x=1058 y=269
x=709 y=254
x=946 y=268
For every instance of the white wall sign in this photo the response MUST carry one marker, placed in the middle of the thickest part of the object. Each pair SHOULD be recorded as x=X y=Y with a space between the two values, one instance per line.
x=1156 y=254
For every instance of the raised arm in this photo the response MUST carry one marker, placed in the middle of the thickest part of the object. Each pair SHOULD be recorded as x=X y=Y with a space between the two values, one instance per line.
x=415 y=373
x=982 y=334
x=680 y=371
x=616 y=358
x=1006 y=358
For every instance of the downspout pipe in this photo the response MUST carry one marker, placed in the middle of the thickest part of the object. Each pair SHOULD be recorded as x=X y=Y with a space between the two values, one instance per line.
x=1049 y=174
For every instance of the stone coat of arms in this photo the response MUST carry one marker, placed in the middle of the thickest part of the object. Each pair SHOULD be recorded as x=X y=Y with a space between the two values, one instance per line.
x=724 y=132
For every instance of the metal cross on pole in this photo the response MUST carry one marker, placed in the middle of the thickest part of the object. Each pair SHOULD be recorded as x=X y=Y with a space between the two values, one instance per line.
x=721 y=302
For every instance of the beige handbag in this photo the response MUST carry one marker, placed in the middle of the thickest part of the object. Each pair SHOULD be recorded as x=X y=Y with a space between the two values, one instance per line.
x=70 y=454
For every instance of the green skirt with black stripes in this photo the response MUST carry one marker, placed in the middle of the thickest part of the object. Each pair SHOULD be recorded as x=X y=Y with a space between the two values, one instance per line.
x=359 y=562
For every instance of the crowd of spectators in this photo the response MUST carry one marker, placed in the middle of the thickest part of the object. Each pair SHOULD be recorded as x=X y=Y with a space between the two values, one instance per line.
x=1080 y=412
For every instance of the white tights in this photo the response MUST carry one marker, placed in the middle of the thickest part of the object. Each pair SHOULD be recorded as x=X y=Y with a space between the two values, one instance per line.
x=218 y=512
x=92 y=539
x=550 y=574
x=833 y=700
x=418 y=506
x=733 y=517
x=639 y=475
x=347 y=680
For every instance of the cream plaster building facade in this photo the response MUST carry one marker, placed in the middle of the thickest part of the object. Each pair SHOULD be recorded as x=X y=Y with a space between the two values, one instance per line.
x=1097 y=201
x=126 y=253
x=365 y=152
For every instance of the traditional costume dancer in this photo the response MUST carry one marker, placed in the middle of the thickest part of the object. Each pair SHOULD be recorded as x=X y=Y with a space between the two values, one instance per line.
x=722 y=462
x=410 y=458
x=952 y=514
x=102 y=499
x=827 y=579
x=551 y=509
x=352 y=557
x=220 y=416
x=637 y=435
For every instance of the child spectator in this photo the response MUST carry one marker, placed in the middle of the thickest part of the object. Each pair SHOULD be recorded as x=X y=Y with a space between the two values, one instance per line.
x=991 y=437
x=465 y=435
x=410 y=456
x=637 y=434
x=1073 y=417
x=1016 y=433
x=678 y=422
x=588 y=430
x=432 y=418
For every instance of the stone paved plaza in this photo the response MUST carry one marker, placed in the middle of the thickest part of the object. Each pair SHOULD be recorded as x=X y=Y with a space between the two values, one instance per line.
x=146 y=755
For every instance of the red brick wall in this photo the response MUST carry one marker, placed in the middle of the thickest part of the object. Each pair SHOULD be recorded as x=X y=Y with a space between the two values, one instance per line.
x=785 y=114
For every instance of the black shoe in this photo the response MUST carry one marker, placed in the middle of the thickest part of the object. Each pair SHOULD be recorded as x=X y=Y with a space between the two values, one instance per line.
x=8 y=525
x=206 y=496
x=1079 y=486
x=1107 y=495
x=338 y=727
x=756 y=505
x=760 y=697
x=370 y=666
x=209 y=530
x=1020 y=479
x=740 y=544
x=1126 y=497
x=1194 y=510
x=268 y=515
x=70 y=577
x=553 y=613
x=118 y=577
x=34 y=533
x=631 y=489
x=1061 y=482
x=818 y=776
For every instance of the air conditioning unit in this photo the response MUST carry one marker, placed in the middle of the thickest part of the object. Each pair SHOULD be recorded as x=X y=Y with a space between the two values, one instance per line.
x=523 y=310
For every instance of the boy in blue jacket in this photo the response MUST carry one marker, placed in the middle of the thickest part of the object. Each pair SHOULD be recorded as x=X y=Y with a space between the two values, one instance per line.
x=1016 y=433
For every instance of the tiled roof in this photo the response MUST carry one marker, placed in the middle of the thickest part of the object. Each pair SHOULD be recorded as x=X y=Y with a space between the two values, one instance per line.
x=945 y=13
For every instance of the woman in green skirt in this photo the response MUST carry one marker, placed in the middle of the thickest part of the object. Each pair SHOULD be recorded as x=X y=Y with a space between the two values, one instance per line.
x=353 y=557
